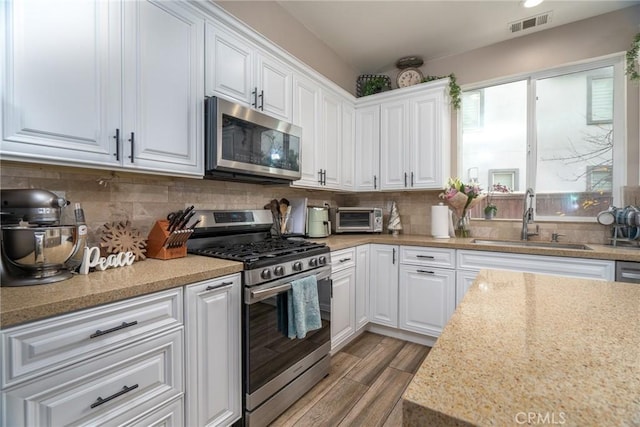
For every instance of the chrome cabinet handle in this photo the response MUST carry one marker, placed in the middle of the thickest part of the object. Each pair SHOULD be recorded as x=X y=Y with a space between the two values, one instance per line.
x=405 y=179
x=132 y=141
x=117 y=328
x=412 y=179
x=425 y=271
x=375 y=182
x=99 y=401
x=425 y=256
x=320 y=177
x=345 y=259
x=393 y=260
x=254 y=104
x=117 y=138
x=261 y=96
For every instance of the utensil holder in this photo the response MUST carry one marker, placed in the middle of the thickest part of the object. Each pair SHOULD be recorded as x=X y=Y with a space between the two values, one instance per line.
x=163 y=244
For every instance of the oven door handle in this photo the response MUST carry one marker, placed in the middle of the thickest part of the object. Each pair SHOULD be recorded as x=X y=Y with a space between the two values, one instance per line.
x=269 y=292
x=253 y=295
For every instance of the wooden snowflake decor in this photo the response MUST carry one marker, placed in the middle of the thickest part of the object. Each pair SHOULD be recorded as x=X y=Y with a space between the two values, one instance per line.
x=120 y=237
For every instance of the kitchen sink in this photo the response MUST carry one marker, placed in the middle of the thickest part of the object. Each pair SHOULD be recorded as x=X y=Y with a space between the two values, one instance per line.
x=528 y=243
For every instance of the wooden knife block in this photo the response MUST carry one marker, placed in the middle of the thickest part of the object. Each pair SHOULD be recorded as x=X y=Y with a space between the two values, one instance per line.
x=157 y=240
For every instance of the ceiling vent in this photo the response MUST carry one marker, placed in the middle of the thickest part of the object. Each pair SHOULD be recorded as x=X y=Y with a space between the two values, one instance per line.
x=528 y=23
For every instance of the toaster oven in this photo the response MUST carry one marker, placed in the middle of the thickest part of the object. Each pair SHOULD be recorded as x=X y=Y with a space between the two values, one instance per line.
x=356 y=220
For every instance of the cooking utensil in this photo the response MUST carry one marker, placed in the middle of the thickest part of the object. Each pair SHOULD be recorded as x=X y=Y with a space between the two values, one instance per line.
x=283 y=206
x=606 y=217
x=186 y=220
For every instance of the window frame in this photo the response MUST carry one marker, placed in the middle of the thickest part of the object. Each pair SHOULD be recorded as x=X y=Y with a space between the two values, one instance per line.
x=619 y=122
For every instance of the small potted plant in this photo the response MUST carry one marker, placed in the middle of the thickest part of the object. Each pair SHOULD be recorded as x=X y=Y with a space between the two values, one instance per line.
x=491 y=209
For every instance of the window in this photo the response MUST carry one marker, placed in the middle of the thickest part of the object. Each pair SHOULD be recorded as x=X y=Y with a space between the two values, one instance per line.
x=599 y=100
x=552 y=131
x=506 y=177
x=473 y=111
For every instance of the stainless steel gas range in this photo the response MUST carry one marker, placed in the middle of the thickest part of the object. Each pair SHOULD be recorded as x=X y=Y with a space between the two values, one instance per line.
x=276 y=370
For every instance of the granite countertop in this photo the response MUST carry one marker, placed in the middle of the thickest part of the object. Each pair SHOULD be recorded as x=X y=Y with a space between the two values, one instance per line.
x=525 y=348
x=24 y=304
x=27 y=303
x=343 y=241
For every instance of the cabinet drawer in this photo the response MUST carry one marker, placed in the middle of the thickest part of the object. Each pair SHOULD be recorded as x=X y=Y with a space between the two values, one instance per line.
x=128 y=382
x=343 y=259
x=36 y=348
x=437 y=257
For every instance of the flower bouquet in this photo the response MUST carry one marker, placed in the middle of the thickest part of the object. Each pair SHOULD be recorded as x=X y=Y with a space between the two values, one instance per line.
x=461 y=197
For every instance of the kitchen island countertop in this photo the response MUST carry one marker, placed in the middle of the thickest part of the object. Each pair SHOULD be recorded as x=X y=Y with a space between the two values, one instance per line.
x=27 y=303
x=531 y=349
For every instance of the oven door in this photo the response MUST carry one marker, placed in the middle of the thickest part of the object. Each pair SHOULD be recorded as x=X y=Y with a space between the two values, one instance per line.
x=272 y=360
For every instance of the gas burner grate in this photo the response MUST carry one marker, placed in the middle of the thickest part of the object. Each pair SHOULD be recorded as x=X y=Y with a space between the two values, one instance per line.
x=254 y=251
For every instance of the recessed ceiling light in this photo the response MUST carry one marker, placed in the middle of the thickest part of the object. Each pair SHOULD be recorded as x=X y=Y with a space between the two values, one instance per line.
x=531 y=3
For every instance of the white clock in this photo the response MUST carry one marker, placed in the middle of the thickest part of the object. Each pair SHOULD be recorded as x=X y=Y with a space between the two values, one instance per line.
x=409 y=77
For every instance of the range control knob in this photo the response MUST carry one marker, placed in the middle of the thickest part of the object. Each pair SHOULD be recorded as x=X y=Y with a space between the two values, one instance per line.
x=313 y=262
x=279 y=270
x=297 y=266
x=322 y=260
x=266 y=274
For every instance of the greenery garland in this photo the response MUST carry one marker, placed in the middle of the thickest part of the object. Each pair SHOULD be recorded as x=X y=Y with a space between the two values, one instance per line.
x=454 y=89
x=632 y=59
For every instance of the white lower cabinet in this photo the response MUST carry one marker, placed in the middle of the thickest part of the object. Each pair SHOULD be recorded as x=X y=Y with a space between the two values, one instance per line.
x=427 y=299
x=427 y=289
x=127 y=384
x=213 y=368
x=464 y=280
x=343 y=300
x=383 y=291
x=470 y=262
x=362 y=286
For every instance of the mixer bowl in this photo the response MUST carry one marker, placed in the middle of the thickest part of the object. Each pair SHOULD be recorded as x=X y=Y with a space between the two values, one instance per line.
x=39 y=248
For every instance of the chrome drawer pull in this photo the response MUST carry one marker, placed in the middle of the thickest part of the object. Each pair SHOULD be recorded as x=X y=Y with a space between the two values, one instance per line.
x=425 y=271
x=117 y=328
x=425 y=256
x=345 y=259
x=99 y=401
x=210 y=287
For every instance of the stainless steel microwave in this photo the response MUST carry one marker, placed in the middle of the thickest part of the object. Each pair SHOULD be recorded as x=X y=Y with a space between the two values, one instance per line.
x=243 y=144
x=356 y=220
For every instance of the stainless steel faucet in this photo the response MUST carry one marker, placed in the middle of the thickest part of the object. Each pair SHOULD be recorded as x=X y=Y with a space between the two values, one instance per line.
x=527 y=215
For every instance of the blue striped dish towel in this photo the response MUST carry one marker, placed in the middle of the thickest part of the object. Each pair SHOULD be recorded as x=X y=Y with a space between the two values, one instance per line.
x=303 y=307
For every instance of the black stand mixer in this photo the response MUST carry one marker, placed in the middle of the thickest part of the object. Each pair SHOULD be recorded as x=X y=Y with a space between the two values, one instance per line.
x=35 y=247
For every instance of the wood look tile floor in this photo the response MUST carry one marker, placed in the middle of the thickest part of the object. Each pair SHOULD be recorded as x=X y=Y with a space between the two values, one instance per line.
x=363 y=388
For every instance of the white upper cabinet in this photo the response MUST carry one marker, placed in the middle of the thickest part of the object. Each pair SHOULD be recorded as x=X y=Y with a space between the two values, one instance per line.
x=105 y=84
x=306 y=101
x=62 y=68
x=329 y=146
x=328 y=131
x=413 y=127
x=394 y=144
x=163 y=87
x=348 y=149
x=429 y=157
x=229 y=65
x=237 y=69
x=367 y=160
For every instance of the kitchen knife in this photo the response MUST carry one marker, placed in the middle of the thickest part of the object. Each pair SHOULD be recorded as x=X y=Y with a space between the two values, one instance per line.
x=182 y=217
x=184 y=222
